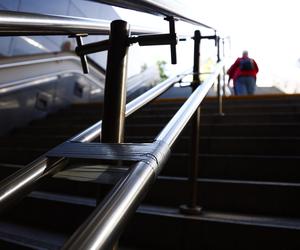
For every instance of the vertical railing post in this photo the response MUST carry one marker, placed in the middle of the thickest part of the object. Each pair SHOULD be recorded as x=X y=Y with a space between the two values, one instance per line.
x=115 y=86
x=224 y=70
x=220 y=101
x=192 y=207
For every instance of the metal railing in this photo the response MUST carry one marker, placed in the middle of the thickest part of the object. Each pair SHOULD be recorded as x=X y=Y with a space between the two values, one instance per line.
x=158 y=7
x=13 y=188
x=103 y=227
x=56 y=62
x=106 y=222
x=14 y=23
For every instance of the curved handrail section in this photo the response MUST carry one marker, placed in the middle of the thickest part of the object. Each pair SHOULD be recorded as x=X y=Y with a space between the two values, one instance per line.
x=171 y=132
x=21 y=182
x=14 y=23
x=95 y=130
x=157 y=7
x=108 y=219
x=61 y=64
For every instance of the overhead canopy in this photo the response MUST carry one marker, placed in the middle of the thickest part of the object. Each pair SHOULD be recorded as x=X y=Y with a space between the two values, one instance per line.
x=157 y=7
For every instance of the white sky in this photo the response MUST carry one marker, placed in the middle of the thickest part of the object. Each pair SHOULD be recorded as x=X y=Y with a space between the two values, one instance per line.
x=269 y=30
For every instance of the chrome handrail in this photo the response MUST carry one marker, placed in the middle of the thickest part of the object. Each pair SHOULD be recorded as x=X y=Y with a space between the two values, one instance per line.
x=14 y=23
x=157 y=7
x=19 y=184
x=104 y=225
x=171 y=132
x=10 y=86
x=95 y=130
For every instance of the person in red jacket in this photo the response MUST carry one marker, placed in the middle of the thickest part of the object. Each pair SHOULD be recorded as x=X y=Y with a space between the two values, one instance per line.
x=243 y=72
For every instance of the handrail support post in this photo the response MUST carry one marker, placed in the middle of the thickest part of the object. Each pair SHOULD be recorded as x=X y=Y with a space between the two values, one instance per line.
x=219 y=89
x=115 y=87
x=192 y=207
x=115 y=84
x=224 y=69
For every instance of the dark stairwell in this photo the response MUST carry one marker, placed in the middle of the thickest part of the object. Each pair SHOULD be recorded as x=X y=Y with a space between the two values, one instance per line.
x=248 y=179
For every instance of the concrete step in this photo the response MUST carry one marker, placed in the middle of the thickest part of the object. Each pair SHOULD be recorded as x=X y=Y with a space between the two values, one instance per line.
x=237 y=167
x=254 y=109
x=219 y=166
x=282 y=146
x=255 y=197
x=245 y=118
x=242 y=129
x=238 y=196
x=211 y=230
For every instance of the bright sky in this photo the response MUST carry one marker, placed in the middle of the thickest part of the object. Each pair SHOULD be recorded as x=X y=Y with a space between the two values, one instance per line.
x=269 y=30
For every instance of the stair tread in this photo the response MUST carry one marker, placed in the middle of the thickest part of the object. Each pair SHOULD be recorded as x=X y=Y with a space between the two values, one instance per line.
x=225 y=217
x=32 y=237
x=228 y=181
x=220 y=216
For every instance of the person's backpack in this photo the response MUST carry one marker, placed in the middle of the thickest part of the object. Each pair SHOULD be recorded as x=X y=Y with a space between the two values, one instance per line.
x=246 y=64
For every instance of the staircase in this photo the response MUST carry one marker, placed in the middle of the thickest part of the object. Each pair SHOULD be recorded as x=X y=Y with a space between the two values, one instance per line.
x=248 y=179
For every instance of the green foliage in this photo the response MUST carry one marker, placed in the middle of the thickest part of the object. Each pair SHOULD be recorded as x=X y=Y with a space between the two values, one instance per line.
x=161 y=67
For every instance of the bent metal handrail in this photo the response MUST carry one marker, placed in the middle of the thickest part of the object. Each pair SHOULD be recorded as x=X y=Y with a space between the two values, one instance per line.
x=109 y=217
x=104 y=225
x=95 y=130
x=157 y=7
x=14 y=23
x=17 y=185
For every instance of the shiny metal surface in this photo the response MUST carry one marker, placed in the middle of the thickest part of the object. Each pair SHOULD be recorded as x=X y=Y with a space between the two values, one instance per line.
x=192 y=205
x=14 y=23
x=170 y=133
x=106 y=222
x=103 y=151
x=219 y=90
x=154 y=92
x=116 y=83
x=158 y=7
x=102 y=228
x=94 y=131
x=20 y=183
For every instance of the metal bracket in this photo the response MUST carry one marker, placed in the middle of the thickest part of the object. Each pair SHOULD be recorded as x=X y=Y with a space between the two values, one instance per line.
x=82 y=50
x=104 y=151
x=160 y=39
x=143 y=40
x=214 y=37
x=83 y=59
x=171 y=21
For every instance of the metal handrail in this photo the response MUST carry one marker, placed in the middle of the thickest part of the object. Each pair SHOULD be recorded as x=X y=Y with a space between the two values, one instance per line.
x=171 y=132
x=14 y=23
x=157 y=7
x=104 y=225
x=107 y=220
x=44 y=78
x=95 y=130
x=20 y=183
